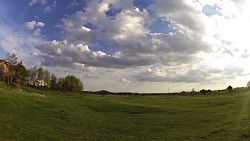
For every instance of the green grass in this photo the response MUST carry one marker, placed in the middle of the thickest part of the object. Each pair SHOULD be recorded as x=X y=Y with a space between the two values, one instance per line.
x=28 y=115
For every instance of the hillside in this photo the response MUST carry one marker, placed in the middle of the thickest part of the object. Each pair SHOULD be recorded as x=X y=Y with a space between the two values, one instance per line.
x=28 y=115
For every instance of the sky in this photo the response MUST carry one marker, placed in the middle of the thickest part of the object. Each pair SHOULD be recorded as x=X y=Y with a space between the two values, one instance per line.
x=132 y=45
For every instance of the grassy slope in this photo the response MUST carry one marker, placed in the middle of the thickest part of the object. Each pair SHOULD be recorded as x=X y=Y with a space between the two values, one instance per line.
x=27 y=115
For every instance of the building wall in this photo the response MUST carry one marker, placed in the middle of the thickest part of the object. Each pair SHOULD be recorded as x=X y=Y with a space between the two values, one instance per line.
x=4 y=64
x=4 y=74
x=40 y=83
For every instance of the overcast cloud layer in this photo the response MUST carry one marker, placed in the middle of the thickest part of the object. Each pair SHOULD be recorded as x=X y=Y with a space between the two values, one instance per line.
x=180 y=44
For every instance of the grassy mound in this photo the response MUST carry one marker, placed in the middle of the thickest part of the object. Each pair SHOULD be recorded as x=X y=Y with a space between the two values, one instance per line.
x=26 y=114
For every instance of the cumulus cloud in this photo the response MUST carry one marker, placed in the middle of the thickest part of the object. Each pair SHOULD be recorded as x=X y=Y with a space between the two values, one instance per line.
x=133 y=43
x=30 y=25
x=123 y=39
x=35 y=27
x=40 y=24
x=67 y=54
x=183 y=15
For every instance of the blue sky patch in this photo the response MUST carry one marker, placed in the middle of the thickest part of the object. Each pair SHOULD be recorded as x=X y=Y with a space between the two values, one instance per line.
x=142 y=4
x=90 y=26
x=211 y=10
x=161 y=26
x=112 y=12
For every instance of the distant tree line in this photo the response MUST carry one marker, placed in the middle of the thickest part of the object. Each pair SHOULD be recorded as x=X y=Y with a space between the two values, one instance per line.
x=13 y=72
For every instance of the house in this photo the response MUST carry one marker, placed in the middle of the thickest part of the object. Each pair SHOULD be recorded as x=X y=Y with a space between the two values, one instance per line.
x=40 y=83
x=4 y=70
x=4 y=64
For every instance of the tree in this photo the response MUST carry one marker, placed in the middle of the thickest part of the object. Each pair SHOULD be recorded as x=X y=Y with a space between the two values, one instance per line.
x=248 y=84
x=203 y=91
x=40 y=73
x=21 y=74
x=12 y=60
x=32 y=72
x=53 y=82
x=72 y=84
x=47 y=78
x=229 y=88
x=60 y=83
x=2 y=73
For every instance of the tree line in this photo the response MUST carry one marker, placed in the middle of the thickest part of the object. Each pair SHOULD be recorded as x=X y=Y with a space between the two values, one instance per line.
x=13 y=72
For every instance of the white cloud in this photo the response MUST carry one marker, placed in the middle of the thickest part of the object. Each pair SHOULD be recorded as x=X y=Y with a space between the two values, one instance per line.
x=71 y=54
x=125 y=81
x=201 y=49
x=86 y=29
x=20 y=43
x=37 y=32
x=46 y=6
x=189 y=73
x=42 y=2
x=40 y=24
x=129 y=23
x=30 y=25
x=35 y=27
x=83 y=48
x=33 y=24
x=98 y=54
x=73 y=4
x=135 y=44
x=50 y=7
x=185 y=17
x=58 y=51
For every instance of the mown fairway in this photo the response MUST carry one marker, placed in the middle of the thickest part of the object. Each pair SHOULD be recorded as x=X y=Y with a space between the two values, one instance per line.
x=28 y=115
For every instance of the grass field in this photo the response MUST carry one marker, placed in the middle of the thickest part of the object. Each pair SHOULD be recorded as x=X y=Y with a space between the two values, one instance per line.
x=28 y=115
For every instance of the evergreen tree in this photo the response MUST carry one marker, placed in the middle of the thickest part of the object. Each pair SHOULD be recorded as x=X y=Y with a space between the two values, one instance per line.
x=21 y=74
